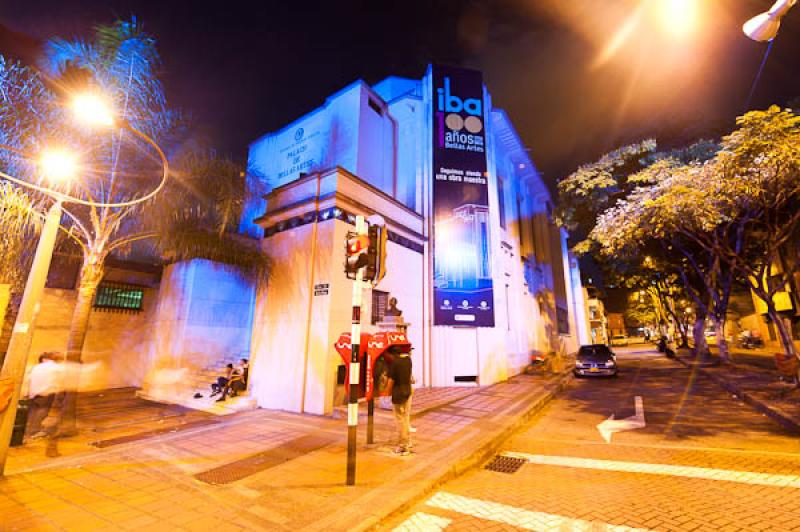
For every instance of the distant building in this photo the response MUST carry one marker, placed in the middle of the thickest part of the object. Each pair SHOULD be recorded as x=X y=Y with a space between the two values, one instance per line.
x=616 y=324
x=596 y=318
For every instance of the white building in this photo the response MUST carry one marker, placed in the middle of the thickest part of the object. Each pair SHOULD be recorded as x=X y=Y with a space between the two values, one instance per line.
x=366 y=150
x=369 y=150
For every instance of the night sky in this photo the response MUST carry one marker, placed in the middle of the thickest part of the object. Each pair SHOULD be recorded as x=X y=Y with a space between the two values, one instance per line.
x=245 y=68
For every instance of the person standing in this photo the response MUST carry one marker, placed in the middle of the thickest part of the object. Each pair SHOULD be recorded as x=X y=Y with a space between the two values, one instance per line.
x=44 y=384
x=399 y=386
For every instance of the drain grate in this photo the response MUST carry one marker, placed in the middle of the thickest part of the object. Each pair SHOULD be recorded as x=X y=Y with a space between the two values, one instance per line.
x=262 y=461
x=505 y=464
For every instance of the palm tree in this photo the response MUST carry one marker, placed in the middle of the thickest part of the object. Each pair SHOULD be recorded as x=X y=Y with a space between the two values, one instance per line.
x=194 y=216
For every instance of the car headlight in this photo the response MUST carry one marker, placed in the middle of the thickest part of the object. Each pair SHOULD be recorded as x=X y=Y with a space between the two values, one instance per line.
x=578 y=363
x=610 y=364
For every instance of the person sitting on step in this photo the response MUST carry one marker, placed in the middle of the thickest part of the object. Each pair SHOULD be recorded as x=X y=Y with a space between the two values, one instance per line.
x=222 y=381
x=238 y=381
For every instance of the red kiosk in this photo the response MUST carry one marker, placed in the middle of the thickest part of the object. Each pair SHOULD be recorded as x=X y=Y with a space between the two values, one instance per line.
x=373 y=348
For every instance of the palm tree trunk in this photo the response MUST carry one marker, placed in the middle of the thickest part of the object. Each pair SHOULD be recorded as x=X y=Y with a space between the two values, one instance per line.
x=91 y=275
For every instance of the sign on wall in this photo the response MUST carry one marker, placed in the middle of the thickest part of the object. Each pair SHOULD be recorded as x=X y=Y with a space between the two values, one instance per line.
x=462 y=263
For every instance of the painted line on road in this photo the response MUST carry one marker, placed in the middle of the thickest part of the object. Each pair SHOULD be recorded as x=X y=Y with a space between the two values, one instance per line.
x=518 y=517
x=422 y=522
x=704 y=473
x=662 y=446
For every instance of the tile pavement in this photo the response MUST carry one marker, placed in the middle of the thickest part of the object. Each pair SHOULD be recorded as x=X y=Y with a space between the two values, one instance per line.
x=151 y=483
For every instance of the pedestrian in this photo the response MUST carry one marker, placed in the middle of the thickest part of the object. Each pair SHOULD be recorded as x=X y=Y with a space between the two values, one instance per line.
x=238 y=380
x=222 y=381
x=44 y=384
x=399 y=387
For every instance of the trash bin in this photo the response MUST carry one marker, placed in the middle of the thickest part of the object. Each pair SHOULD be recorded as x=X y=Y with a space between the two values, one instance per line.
x=20 y=422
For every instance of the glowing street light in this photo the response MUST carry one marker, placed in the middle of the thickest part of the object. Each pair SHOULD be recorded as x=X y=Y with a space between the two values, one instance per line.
x=58 y=165
x=764 y=27
x=92 y=109
x=678 y=17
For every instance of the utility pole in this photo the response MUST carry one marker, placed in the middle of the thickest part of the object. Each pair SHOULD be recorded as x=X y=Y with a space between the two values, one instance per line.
x=355 y=370
x=17 y=356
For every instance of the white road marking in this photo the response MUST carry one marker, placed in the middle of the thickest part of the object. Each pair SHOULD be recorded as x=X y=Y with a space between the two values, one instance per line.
x=704 y=473
x=519 y=517
x=422 y=522
x=608 y=427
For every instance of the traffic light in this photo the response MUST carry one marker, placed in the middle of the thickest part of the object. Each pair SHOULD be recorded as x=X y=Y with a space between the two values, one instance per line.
x=376 y=254
x=356 y=250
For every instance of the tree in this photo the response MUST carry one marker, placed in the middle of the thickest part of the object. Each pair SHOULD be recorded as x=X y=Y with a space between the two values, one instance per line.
x=194 y=216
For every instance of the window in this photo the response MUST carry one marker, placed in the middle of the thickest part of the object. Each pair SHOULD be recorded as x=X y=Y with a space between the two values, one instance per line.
x=562 y=317
x=501 y=201
x=380 y=302
x=119 y=297
x=374 y=106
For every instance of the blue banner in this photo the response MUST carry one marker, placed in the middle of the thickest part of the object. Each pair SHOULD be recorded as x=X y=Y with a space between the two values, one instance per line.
x=462 y=262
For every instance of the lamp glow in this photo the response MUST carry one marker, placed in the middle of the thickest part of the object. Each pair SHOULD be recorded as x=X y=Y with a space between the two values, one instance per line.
x=58 y=165
x=679 y=18
x=91 y=109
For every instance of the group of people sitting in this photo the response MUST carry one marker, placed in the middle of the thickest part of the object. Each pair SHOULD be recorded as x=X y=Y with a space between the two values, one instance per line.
x=232 y=382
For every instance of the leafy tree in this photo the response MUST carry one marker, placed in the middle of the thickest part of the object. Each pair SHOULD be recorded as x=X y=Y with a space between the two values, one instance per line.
x=194 y=216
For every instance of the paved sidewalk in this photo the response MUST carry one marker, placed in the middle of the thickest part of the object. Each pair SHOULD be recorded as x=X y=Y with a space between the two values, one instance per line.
x=268 y=470
x=761 y=388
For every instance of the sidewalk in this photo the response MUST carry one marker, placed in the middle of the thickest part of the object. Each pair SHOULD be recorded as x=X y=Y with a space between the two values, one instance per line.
x=268 y=469
x=758 y=386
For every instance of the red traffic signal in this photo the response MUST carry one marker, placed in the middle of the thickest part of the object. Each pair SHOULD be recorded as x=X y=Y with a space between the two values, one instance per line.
x=356 y=248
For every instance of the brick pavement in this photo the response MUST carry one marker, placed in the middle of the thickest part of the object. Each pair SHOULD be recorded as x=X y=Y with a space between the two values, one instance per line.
x=705 y=461
x=152 y=483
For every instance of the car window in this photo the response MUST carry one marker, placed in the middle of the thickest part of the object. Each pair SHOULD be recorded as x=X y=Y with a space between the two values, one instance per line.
x=595 y=351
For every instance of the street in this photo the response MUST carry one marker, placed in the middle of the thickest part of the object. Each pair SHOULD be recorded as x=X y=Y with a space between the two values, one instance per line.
x=703 y=461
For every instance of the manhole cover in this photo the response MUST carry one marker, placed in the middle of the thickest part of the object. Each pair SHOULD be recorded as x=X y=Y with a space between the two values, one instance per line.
x=505 y=464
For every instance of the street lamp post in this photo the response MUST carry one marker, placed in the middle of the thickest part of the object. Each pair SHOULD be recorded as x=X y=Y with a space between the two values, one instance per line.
x=17 y=355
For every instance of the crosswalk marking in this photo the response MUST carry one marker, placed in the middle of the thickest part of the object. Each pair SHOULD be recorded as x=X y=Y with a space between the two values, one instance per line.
x=422 y=522
x=519 y=517
x=705 y=473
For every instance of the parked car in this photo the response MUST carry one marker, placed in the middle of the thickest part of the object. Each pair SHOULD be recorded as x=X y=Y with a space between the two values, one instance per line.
x=595 y=360
x=620 y=340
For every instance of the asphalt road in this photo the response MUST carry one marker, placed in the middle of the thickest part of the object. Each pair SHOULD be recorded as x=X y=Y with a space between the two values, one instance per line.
x=702 y=461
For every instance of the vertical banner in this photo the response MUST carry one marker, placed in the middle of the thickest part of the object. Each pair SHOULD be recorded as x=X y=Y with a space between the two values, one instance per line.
x=462 y=266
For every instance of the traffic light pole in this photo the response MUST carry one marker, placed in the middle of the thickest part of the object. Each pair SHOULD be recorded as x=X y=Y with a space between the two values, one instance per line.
x=355 y=370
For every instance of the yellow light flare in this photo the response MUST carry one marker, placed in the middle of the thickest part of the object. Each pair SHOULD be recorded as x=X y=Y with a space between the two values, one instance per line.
x=679 y=18
x=58 y=165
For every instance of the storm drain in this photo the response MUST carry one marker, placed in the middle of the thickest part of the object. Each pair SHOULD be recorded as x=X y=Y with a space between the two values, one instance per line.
x=505 y=464
x=256 y=463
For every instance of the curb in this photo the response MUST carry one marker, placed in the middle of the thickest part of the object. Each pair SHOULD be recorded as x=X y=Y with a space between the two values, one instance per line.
x=759 y=405
x=474 y=458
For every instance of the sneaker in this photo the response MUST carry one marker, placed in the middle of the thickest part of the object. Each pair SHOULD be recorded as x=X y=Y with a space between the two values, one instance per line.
x=220 y=399
x=402 y=451
x=412 y=429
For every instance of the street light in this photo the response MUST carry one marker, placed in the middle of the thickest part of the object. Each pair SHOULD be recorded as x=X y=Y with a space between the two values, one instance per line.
x=92 y=109
x=678 y=17
x=58 y=165
x=764 y=27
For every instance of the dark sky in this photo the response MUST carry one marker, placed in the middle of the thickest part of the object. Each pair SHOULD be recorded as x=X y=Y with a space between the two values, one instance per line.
x=244 y=68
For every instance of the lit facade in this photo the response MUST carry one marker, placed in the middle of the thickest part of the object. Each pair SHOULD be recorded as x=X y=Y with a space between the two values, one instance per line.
x=368 y=150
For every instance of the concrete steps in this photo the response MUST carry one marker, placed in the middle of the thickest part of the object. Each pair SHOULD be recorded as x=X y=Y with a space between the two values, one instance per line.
x=199 y=382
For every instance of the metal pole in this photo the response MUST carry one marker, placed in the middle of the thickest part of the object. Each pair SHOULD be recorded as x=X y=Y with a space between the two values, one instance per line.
x=16 y=359
x=371 y=417
x=355 y=370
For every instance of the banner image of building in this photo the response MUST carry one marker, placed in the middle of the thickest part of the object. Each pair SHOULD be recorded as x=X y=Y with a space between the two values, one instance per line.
x=462 y=270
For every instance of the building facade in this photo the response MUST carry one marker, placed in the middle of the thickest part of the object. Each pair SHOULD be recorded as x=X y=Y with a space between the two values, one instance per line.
x=480 y=271
x=482 y=274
